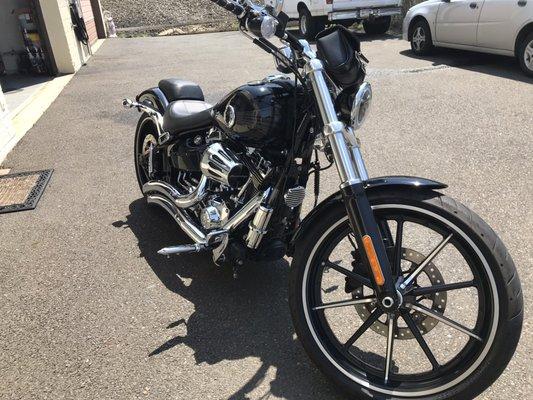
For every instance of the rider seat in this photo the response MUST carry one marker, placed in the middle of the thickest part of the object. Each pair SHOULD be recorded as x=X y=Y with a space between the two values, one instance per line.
x=187 y=109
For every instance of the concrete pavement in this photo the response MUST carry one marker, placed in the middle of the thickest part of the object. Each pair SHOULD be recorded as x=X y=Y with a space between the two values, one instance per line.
x=90 y=311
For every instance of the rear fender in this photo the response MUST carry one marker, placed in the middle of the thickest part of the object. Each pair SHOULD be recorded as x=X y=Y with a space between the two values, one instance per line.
x=375 y=184
x=155 y=98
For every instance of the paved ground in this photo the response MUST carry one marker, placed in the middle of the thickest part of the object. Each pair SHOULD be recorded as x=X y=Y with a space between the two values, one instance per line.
x=89 y=311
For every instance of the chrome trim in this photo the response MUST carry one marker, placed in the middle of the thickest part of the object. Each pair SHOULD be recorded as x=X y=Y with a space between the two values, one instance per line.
x=193 y=231
x=153 y=114
x=258 y=226
x=179 y=200
x=364 y=13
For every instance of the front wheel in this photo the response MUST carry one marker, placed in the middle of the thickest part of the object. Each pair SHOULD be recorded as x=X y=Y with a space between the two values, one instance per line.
x=460 y=319
x=421 y=40
x=310 y=26
x=525 y=54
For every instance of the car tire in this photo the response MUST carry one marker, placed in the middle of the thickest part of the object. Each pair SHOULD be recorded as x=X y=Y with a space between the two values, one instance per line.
x=525 y=54
x=310 y=26
x=420 y=38
x=377 y=26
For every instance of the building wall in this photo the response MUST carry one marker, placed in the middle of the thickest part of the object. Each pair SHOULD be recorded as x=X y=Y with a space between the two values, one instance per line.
x=7 y=133
x=69 y=54
x=10 y=35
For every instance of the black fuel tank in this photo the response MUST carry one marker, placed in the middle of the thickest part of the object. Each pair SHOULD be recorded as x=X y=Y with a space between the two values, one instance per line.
x=259 y=114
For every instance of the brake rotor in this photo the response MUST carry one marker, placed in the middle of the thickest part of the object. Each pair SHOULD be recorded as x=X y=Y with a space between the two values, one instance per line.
x=424 y=323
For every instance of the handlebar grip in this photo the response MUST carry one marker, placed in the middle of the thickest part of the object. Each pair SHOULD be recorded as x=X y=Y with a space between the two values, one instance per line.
x=230 y=5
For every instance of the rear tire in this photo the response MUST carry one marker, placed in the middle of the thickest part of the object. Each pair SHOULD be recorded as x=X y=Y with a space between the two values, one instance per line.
x=421 y=40
x=145 y=128
x=525 y=54
x=310 y=26
x=495 y=265
x=377 y=26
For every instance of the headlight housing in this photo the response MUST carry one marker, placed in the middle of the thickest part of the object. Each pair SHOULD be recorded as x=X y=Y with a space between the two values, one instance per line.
x=361 y=105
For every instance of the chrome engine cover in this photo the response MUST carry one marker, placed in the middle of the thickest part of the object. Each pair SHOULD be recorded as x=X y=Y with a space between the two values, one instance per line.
x=222 y=165
x=215 y=214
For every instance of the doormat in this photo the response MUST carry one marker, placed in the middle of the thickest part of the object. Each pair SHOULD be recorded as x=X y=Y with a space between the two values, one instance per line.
x=22 y=191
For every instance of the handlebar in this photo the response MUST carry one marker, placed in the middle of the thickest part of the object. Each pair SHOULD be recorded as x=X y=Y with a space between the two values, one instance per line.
x=231 y=6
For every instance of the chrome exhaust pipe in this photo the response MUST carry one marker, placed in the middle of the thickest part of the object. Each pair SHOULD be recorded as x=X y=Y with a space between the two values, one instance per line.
x=189 y=227
x=179 y=200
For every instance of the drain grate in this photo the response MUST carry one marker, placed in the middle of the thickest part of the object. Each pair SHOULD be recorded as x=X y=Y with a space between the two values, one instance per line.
x=22 y=191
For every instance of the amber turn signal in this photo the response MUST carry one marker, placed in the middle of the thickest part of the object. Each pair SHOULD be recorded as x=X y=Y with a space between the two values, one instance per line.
x=373 y=260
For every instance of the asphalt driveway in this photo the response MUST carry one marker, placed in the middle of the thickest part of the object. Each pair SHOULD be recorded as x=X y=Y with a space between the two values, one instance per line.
x=90 y=311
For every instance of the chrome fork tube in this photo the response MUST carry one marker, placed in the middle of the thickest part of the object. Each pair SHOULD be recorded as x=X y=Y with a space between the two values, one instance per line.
x=334 y=130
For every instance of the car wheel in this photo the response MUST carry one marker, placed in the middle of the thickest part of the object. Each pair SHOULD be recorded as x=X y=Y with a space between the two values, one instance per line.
x=310 y=26
x=377 y=26
x=525 y=54
x=421 y=41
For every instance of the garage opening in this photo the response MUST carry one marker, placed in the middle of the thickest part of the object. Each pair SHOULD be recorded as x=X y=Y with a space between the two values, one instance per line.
x=25 y=62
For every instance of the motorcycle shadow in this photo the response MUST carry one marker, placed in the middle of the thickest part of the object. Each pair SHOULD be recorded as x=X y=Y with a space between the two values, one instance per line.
x=234 y=318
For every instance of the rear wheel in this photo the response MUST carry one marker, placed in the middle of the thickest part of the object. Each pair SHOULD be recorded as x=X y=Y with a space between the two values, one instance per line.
x=525 y=54
x=377 y=26
x=421 y=41
x=459 y=322
x=310 y=26
x=145 y=140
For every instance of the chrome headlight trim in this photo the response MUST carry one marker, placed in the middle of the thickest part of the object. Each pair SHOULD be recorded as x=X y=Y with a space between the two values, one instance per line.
x=361 y=105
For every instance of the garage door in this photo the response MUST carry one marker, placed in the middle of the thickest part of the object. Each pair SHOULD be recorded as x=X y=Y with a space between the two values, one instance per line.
x=88 y=17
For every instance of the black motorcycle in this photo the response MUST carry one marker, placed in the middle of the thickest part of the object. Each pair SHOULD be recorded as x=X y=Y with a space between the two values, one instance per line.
x=396 y=291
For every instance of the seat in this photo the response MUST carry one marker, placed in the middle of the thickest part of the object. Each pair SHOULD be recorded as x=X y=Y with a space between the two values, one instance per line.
x=178 y=89
x=187 y=115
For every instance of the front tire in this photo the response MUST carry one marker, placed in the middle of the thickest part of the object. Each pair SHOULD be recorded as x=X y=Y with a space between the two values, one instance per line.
x=421 y=40
x=499 y=300
x=525 y=54
x=310 y=26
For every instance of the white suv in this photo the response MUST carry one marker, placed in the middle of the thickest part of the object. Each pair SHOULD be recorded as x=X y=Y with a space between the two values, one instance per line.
x=313 y=15
x=490 y=26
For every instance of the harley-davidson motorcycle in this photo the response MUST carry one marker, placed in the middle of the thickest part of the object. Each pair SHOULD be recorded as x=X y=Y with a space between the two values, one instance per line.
x=396 y=291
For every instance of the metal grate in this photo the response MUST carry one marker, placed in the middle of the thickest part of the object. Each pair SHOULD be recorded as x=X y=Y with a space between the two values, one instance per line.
x=22 y=191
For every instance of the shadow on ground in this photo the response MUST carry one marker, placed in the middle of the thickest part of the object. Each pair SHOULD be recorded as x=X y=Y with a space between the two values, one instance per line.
x=500 y=66
x=233 y=319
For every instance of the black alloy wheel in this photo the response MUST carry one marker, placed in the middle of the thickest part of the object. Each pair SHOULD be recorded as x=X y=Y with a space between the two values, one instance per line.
x=457 y=319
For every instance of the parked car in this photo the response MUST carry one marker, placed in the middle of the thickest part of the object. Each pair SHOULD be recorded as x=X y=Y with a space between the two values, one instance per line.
x=313 y=15
x=502 y=27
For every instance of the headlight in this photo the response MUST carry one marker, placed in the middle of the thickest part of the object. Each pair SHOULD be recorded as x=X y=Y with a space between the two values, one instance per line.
x=268 y=27
x=361 y=105
x=264 y=26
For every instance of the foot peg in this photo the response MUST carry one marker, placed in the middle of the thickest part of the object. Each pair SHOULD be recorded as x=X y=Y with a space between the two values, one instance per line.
x=182 y=249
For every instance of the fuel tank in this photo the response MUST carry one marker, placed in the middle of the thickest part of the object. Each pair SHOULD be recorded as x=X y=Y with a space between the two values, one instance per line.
x=259 y=114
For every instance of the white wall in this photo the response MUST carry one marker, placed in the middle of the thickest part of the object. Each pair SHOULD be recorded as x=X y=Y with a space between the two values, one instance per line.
x=7 y=133
x=10 y=35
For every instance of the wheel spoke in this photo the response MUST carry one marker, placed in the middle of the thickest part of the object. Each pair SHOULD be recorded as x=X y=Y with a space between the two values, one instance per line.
x=390 y=345
x=359 y=278
x=352 y=240
x=441 y=318
x=397 y=265
x=420 y=339
x=345 y=303
x=363 y=328
x=441 y=288
x=425 y=263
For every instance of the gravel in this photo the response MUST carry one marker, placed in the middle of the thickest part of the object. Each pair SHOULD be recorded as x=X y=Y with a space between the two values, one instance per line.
x=134 y=13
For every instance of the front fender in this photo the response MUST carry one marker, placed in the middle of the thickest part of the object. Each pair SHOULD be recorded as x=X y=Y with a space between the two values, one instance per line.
x=375 y=184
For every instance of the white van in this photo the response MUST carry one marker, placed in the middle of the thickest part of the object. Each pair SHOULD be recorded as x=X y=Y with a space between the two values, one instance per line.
x=313 y=15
